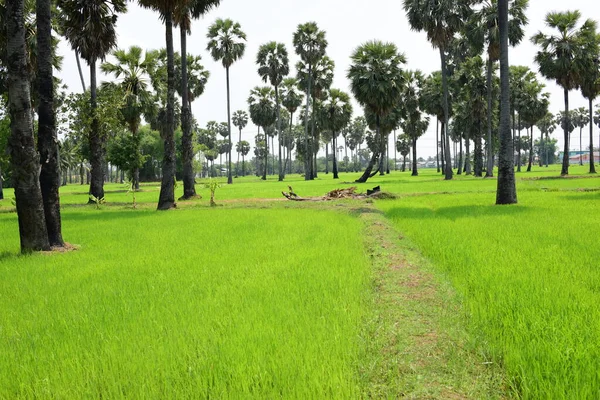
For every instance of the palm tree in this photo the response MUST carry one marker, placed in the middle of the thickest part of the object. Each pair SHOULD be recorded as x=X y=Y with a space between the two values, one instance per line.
x=24 y=157
x=590 y=80
x=581 y=121
x=337 y=114
x=377 y=83
x=413 y=124
x=506 y=192
x=291 y=99
x=403 y=147
x=134 y=72
x=243 y=147
x=185 y=11
x=483 y=31
x=166 y=9
x=273 y=66
x=432 y=99
x=562 y=58
x=47 y=138
x=226 y=44
x=310 y=44
x=263 y=114
x=90 y=28
x=546 y=125
x=441 y=20
x=240 y=120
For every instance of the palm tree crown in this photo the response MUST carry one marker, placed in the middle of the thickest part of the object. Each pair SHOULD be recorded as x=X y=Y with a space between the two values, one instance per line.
x=262 y=106
x=272 y=59
x=310 y=43
x=240 y=119
x=291 y=96
x=337 y=111
x=227 y=41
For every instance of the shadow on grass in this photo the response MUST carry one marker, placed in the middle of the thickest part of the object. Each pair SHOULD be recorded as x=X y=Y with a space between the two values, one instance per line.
x=583 y=196
x=107 y=215
x=455 y=212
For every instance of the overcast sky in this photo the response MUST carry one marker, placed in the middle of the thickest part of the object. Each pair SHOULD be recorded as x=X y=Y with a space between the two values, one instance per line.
x=348 y=23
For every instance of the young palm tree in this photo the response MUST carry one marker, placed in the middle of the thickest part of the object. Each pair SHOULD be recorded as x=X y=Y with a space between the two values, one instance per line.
x=441 y=20
x=47 y=138
x=24 y=157
x=240 y=120
x=273 y=66
x=227 y=44
x=337 y=115
x=310 y=44
x=562 y=57
x=483 y=31
x=183 y=15
x=90 y=28
x=263 y=114
x=376 y=80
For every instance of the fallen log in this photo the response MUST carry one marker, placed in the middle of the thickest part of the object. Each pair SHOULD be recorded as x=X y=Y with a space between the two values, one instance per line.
x=337 y=194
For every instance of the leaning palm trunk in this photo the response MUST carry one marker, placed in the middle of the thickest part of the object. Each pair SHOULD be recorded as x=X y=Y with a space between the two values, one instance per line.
x=592 y=167
x=96 y=144
x=24 y=159
x=80 y=70
x=47 y=140
x=565 y=161
x=166 y=198
x=448 y=172
x=367 y=174
x=189 y=182
x=506 y=191
x=490 y=147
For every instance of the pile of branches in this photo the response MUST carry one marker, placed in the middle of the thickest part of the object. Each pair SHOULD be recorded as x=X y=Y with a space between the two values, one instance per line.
x=337 y=194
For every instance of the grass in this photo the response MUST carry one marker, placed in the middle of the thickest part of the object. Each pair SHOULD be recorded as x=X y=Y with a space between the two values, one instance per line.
x=443 y=295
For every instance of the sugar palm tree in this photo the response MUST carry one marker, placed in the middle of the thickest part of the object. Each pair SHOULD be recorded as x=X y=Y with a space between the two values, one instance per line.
x=90 y=28
x=413 y=123
x=483 y=31
x=263 y=114
x=376 y=80
x=506 y=192
x=291 y=99
x=441 y=20
x=47 y=138
x=561 y=58
x=581 y=121
x=133 y=69
x=243 y=148
x=337 y=114
x=185 y=12
x=226 y=43
x=310 y=44
x=25 y=160
x=546 y=125
x=273 y=66
x=240 y=120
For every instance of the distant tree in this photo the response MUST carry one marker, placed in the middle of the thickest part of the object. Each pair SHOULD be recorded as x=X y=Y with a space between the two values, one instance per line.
x=243 y=148
x=403 y=147
x=413 y=123
x=581 y=120
x=263 y=114
x=337 y=114
x=590 y=81
x=376 y=81
x=546 y=125
x=227 y=44
x=240 y=120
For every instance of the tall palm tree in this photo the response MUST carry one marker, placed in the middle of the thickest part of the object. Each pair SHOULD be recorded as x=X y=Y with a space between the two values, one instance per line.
x=273 y=66
x=506 y=192
x=376 y=80
x=441 y=20
x=24 y=157
x=240 y=120
x=47 y=138
x=226 y=44
x=337 y=115
x=134 y=69
x=413 y=123
x=310 y=44
x=90 y=28
x=590 y=80
x=561 y=58
x=263 y=114
x=166 y=9
x=483 y=31
x=184 y=13
x=291 y=99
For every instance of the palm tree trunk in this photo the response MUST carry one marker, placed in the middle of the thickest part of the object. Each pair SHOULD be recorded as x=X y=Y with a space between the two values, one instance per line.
x=273 y=155
x=540 y=149
x=415 y=171
x=565 y=161
x=166 y=199
x=478 y=158
x=580 y=145
x=307 y=163
x=381 y=153
x=448 y=172
x=460 y=157
x=266 y=166
x=1 y=185
x=47 y=139
x=346 y=159
x=24 y=157
x=442 y=145
x=467 y=156
x=80 y=71
x=506 y=192
x=238 y=160
x=367 y=174
x=327 y=158
x=387 y=147
x=530 y=150
x=229 y=172
x=490 y=146
x=395 y=153
x=281 y=171
x=592 y=167
x=189 y=181
x=243 y=166
x=96 y=144
x=546 y=148
x=519 y=144
x=335 y=166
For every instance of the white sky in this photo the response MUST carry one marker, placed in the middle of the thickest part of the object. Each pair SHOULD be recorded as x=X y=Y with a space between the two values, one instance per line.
x=348 y=23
